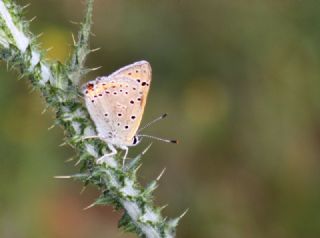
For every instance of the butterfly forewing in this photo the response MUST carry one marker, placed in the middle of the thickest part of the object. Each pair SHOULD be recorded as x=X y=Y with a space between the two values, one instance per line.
x=116 y=103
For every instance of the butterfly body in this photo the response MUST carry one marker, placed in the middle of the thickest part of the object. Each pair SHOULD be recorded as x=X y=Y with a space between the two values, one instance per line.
x=116 y=103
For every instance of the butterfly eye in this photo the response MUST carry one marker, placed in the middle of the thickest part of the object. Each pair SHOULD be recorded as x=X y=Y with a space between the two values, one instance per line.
x=135 y=140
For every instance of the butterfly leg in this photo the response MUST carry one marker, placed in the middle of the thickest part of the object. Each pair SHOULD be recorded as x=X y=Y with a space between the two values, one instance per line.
x=113 y=152
x=126 y=149
x=90 y=137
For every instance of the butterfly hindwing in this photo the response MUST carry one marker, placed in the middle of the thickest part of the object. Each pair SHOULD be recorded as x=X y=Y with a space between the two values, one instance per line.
x=116 y=103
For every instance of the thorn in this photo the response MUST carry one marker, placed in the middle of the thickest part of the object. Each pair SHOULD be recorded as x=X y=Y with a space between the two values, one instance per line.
x=44 y=110
x=152 y=186
x=184 y=213
x=69 y=160
x=136 y=169
x=50 y=48
x=77 y=163
x=32 y=90
x=94 y=50
x=25 y=6
x=33 y=18
x=96 y=68
x=83 y=189
x=51 y=127
x=90 y=206
x=163 y=207
x=39 y=35
x=146 y=149
x=21 y=77
x=63 y=144
x=160 y=175
x=73 y=39
x=133 y=162
x=63 y=177
x=74 y=22
x=174 y=222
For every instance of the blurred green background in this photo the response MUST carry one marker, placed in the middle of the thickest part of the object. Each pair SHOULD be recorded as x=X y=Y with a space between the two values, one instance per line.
x=240 y=81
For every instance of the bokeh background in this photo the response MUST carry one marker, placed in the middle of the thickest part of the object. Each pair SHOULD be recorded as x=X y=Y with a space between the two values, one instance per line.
x=240 y=81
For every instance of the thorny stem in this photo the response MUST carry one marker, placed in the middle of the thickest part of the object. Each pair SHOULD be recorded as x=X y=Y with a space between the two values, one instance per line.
x=58 y=84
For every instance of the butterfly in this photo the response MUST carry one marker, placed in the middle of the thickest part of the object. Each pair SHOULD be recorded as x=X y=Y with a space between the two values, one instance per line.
x=116 y=104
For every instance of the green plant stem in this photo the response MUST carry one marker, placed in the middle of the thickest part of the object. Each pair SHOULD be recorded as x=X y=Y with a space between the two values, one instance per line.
x=58 y=84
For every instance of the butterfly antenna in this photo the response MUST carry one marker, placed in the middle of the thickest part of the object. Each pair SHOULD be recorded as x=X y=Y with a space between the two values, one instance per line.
x=160 y=139
x=153 y=121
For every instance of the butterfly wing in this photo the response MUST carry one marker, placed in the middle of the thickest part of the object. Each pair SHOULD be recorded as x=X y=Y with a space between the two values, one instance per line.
x=116 y=103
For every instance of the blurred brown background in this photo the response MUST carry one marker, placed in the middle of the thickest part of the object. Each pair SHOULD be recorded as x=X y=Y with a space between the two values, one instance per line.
x=240 y=81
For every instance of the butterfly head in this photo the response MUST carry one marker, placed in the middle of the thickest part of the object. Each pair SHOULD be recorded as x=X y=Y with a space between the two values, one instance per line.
x=136 y=140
